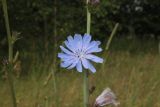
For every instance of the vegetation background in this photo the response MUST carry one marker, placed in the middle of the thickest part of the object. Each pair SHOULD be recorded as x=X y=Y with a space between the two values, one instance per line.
x=132 y=68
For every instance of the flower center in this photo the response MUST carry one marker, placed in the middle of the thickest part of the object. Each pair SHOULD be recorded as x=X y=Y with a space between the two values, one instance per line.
x=80 y=54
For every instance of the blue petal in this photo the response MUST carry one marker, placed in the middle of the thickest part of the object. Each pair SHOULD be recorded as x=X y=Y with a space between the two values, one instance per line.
x=70 y=62
x=66 y=50
x=94 y=49
x=93 y=44
x=70 y=39
x=94 y=58
x=98 y=42
x=65 y=64
x=86 y=40
x=73 y=64
x=79 y=66
x=62 y=55
x=66 y=57
x=78 y=41
x=70 y=45
x=70 y=59
x=85 y=63
x=91 y=67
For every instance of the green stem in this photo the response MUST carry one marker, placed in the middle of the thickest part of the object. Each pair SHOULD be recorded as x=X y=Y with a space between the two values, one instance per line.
x=88 y=19
x=11 y=86
x=111 y=36
x=85 y=87
x=108 y=44
x=10 y=51
x=4 y=3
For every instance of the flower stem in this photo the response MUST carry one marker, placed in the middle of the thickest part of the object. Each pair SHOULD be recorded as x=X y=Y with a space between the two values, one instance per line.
x=88 y=19
x=11 y=86
x=10 y=51
x=85 y=87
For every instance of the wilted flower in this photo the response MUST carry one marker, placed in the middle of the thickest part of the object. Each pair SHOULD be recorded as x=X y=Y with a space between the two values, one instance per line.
x=79 y=52
x=105 y=98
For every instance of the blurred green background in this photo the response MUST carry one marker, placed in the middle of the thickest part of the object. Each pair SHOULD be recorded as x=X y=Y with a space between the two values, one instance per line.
x=132 y=68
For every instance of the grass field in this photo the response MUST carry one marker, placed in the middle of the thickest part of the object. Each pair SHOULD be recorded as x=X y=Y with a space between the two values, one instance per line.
x=135 y=79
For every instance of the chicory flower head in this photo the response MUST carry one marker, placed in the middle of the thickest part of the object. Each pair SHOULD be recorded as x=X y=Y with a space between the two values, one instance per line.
x=79 y=52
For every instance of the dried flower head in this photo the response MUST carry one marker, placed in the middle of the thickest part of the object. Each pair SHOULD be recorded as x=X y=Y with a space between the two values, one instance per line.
x=79 y=52
x=105 y=98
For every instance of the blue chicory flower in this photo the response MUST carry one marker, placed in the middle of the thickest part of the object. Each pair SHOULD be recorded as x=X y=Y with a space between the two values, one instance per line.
x=78 y=53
